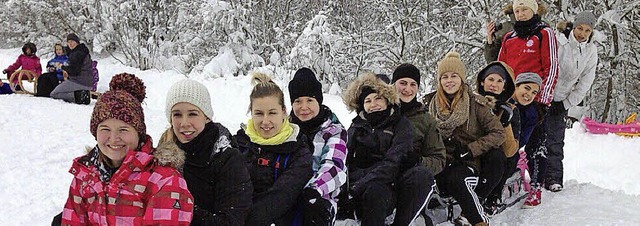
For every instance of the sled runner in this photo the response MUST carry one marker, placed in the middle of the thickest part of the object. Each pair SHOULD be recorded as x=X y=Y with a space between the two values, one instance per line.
x=631 y=126
x=16 y=82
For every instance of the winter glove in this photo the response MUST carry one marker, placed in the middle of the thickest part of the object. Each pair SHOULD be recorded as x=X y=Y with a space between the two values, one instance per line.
x=462 y=152
x=557 y=108
x=507 y=113
x=357 y=189
x=317 y=210
x=201 y=216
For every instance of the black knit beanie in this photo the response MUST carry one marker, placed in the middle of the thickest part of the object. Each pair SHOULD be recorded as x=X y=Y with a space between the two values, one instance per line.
x=406 y=70
x=305 y=84
x=363 y=94
x=73 y=37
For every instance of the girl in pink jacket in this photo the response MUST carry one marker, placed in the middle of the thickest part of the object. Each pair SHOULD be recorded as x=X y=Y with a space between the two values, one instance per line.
x=27 y=60
x=123 y=180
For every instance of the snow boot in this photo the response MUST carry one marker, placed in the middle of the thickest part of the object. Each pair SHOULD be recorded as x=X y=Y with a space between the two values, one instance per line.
x=554 y=187
x=461 y=221
x=82 y=96
x=533 y=199
x=492 y=205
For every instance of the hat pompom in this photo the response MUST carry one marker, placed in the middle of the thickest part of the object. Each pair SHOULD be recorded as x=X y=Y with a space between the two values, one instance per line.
x=452 y=54
x=130 y=84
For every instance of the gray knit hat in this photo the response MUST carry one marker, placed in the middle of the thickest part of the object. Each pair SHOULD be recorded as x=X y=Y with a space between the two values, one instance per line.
x=189 y=91
x=529 y=77
x=585 y=17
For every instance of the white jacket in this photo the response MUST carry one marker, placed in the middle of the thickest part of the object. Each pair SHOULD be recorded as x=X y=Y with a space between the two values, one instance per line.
x=578 y=63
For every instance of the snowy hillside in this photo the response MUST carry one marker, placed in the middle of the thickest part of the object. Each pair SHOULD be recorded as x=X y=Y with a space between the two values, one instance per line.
x=39 y=137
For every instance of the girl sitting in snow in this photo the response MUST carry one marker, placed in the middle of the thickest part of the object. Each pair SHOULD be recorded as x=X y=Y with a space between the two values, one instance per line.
x=470 y=132
x=59 y=60
x=215 y=172
x=495 y=82
x=327 y=139
x=122 y=181
x=27 y=60
x=381 y=176
x=278 y=161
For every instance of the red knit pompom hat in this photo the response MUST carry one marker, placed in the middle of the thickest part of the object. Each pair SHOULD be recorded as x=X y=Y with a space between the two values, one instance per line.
x=122 y=102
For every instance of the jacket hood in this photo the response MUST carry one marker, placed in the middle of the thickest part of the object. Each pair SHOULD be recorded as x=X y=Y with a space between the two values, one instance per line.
x=31 y=46
x=354 y=90
x=509 y=86
x=168 y=154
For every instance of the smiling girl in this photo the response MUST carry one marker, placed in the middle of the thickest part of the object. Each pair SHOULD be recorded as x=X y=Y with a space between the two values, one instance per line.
x=470 y=131
x=122 y=180
x=279 y=163
x=379 y=142
x=214 y=171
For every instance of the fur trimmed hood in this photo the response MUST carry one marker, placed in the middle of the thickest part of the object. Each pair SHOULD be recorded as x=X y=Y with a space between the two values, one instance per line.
x=169 y=154
x=350 y=97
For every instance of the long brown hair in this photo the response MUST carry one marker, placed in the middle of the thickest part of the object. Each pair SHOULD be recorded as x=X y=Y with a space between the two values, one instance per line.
x=447 y=107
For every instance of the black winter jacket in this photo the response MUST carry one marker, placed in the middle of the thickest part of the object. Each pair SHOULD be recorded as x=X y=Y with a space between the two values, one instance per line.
x=278 y=173
x=79 y=69
x=217 y=178
x=377 y=153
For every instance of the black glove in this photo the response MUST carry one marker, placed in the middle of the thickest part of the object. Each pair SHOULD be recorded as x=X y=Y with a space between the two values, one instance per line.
x=317 y=210
x=507 y=114
x=557 y=108
x=463 y=153
x=201 y=216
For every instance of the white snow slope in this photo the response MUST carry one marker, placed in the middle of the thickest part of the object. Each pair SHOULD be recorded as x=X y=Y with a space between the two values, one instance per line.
x=39 y=137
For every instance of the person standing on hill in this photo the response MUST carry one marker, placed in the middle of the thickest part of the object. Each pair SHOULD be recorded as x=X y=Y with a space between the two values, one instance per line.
x=578 y=61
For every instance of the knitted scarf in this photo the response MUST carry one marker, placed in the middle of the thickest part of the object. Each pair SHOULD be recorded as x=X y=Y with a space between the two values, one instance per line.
x=284 y=133
x=448 y=122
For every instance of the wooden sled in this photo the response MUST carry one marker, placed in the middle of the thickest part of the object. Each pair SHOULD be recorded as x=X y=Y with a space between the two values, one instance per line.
x=16 y=82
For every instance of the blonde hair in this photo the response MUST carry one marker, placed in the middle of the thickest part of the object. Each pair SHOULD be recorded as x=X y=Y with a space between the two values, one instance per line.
x=263 y=86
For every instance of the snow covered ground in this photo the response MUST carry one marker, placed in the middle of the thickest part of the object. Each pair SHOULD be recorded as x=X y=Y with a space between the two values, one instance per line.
x=39 y=137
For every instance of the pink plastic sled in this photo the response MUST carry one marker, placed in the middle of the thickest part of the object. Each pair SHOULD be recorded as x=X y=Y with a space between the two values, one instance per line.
x=631 y=127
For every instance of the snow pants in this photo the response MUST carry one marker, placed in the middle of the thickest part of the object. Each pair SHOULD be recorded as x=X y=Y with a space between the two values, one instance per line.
x=537 y=153
x=493 y=165
x=408 y=196
x=459 y=182
x=511 y=166
x=65 y=90
x=556 y=127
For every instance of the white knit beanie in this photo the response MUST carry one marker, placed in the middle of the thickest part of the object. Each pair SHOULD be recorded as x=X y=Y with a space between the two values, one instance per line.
x=189 y=91
x=532 y=4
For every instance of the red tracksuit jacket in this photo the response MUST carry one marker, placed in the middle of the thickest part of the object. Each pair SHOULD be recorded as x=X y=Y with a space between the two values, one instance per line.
x=534 y=54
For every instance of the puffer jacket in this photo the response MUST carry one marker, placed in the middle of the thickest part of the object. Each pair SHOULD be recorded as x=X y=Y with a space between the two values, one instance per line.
x=278 y=173
x=377 y=153
x=533 y=54
x=217 y=177
x=329 y=144
x=140 y=192
x=52 y=65
x=80 y=69
x=578 y=62
x=481 y=132
x=31 y=63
